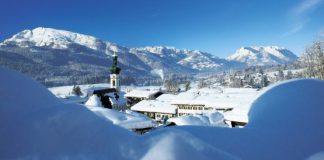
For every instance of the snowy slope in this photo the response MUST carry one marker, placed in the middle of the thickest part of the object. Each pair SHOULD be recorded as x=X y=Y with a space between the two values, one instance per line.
x=54 y=38
x=193 y=60
x=260 y=56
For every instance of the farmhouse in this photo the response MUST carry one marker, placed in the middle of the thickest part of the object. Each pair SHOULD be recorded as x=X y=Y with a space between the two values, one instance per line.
x=155 y=109
x=200 y=101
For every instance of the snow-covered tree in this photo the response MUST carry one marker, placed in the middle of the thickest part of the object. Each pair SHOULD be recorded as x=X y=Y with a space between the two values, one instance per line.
x=264 y=81
x=314 y=60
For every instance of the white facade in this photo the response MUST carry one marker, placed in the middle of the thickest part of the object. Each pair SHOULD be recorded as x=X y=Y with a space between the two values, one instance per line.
x=190 y=109
x=115 y=81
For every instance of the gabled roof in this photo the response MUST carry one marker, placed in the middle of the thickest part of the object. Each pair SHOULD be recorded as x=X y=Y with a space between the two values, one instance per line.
x=104 y=91
x=154 y=106
x=141 y=93
x=225 y=99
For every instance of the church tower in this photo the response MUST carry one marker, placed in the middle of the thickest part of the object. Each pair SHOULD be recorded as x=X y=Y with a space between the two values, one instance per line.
x=114 y=74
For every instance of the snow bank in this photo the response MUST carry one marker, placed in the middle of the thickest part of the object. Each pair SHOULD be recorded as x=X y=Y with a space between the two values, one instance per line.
x=34 y=124
x=208 y=119
x=286 y=122
x=94 y=101
x=177 y=145
x=293 y=104
x=129 y=120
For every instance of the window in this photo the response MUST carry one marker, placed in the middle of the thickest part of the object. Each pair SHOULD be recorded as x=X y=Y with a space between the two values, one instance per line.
x=113 y=83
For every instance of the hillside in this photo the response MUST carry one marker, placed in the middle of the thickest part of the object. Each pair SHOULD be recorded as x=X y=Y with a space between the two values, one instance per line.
x=57 y=57
x=262 y=56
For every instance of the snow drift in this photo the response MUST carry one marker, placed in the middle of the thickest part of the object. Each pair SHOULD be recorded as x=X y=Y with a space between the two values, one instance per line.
x=286 y=122
x=34 y=124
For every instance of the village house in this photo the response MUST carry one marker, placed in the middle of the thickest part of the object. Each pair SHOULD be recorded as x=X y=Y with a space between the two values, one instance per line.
x=159 y=109
x=156 y=110
x=199 y=101
x=208 y=100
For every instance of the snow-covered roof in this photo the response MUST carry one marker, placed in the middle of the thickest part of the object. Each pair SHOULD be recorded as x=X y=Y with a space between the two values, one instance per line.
x=116 y=101
x=166 y=97
x=127 y=119
x=154 y=106
x=216 y=98
x=66 y=91
x=141 y=93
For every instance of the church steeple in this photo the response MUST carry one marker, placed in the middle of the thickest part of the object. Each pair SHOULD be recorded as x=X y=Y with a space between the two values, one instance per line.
x=114 y=69
x=114 y=73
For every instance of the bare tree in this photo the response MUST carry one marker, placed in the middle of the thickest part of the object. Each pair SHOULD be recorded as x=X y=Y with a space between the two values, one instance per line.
x=171 y=85
x=187 y=85
x=76 y=90
x=202 y=84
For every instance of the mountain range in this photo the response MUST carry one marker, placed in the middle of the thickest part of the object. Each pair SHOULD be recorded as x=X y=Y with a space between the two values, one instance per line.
x=58 y=57
x=262 y=56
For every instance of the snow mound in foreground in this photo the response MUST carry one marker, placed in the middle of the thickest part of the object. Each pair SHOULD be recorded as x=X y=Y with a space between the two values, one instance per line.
x=286 y=122
x=293 y=104
x=34 y=124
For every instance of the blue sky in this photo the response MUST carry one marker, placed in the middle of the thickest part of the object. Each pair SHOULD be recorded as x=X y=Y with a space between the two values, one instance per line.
x=215 y=26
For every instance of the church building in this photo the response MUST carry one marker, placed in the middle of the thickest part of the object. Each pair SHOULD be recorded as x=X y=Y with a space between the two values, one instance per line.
x=110 y=97
x=114 y=74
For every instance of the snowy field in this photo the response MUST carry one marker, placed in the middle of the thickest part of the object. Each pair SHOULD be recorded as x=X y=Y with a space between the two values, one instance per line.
x=285 y=122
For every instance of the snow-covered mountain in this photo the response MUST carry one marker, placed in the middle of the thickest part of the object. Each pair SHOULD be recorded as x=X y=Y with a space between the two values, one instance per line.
x=51 y=55
x=260 y=56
